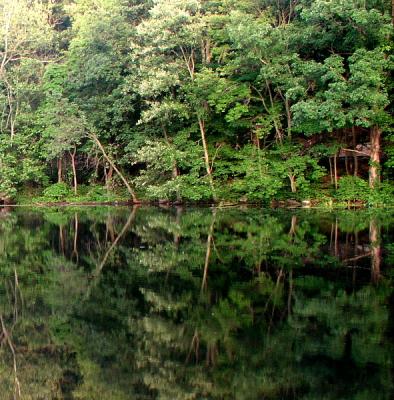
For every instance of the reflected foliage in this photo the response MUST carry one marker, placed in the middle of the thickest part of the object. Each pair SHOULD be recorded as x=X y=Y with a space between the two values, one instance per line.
x=174 y=303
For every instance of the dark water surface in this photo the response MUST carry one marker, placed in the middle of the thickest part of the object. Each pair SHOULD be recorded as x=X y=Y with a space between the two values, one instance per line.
x=150 y=303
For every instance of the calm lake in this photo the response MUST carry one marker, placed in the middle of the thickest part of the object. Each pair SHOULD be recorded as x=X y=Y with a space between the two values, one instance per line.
x=186 y=303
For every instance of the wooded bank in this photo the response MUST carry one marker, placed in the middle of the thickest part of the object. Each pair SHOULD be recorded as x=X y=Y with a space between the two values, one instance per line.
x=194 y=100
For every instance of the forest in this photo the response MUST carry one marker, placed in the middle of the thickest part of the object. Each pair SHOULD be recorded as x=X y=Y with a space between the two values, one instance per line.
x=255 y=101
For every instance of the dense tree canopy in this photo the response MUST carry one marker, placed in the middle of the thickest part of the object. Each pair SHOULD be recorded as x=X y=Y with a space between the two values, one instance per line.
x=196 y=100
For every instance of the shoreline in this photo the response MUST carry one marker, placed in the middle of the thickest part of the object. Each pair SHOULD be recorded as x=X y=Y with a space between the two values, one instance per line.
x=285 y=204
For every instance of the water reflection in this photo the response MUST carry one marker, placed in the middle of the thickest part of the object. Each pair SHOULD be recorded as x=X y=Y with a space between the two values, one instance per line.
x=148 y=303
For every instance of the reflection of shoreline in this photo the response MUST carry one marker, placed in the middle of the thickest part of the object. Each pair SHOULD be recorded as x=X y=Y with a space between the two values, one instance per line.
x=358 y=246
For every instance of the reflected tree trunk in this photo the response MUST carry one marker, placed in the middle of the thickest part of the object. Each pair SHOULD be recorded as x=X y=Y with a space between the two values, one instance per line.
x=7 y=338
x=355 y=255
x=194 y=346
x=212 y=354
x=116 y=241
x=374 y=167
x=75 y=242
x=61 y=239
x=331 y=236
x=293 y=225
x=376 y=256
x=177 y=236
x=109 y=229
x=290 y=295
x=208 y=251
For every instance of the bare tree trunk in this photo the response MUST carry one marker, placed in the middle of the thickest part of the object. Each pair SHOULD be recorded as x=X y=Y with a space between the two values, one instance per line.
x=60 y=170
x=72 y=155
x=96 y=167
x=289 y=121
x=347 y=165
x=121 y=176
x=335 y=171
x=206 y=51
x=355 y=172
x=108 y=176
x=293 y=184
x=392 y=12
x=374 y=167
x=355 y=165
x=279 y=133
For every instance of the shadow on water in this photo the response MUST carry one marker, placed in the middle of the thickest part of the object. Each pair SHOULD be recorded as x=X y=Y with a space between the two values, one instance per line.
x=151 y=303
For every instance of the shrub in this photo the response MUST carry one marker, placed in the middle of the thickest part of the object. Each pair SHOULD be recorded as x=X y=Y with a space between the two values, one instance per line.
x=383 y=195
x=352 y=188
x=57 y=191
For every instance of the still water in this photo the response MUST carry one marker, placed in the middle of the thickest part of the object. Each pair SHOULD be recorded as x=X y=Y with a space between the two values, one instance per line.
x=178 y=303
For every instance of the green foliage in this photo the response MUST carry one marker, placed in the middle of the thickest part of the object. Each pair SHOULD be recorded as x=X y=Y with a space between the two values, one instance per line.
x=193 y=100
x=255 y=179
x=352 y=188
x=57 y=191
x=382 y=195
x=303 y=169
x=173 y=171
x=19 y=165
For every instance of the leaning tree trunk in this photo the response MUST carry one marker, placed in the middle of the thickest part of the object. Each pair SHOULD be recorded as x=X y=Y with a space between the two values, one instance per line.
x=94 y=137
x=207 y=160
x=374 y=167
